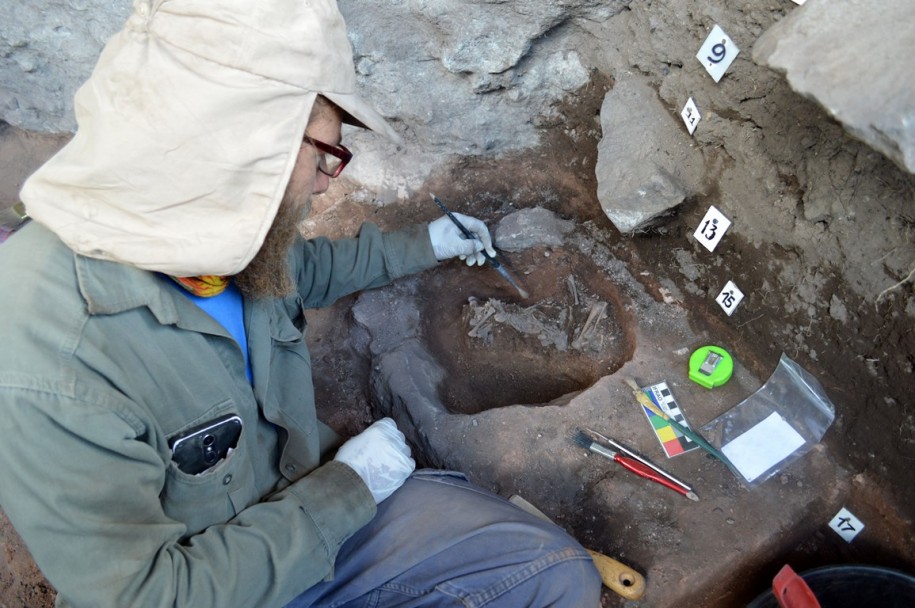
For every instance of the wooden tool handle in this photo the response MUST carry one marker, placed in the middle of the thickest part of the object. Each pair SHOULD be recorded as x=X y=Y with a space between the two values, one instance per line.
x=615 y=575
x=618 y=576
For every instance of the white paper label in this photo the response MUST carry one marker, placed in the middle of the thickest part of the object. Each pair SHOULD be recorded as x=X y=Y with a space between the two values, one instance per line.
x=690 y=115
x=763 y=446
x=846 y=525
x=717 y=53
x=801 y=2
x=729 y=298
x=712 y=228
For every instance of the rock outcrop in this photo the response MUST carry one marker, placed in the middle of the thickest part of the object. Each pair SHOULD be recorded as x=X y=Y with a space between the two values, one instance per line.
x=855 y=59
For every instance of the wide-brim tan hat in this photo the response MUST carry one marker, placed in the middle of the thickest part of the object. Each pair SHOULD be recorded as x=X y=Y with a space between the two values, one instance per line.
x=189 y=128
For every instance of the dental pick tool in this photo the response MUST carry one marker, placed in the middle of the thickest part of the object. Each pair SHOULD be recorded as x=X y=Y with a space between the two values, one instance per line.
x=490 y=258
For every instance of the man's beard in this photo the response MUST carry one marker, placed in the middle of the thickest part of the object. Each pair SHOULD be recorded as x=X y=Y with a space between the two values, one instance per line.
x=268 y=274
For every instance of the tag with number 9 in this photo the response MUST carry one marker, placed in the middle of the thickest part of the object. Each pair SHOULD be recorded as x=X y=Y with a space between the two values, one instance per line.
x=717 y=53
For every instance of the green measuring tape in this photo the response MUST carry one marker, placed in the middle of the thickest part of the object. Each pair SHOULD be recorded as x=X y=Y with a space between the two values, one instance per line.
x=710 y=366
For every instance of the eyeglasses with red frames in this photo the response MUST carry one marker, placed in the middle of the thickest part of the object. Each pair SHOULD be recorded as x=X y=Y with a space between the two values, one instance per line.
x=333 y=158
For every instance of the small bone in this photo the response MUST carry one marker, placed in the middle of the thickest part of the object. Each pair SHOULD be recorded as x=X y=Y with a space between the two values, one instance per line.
x=594 y=315
x=572 y=287
x=488 y=311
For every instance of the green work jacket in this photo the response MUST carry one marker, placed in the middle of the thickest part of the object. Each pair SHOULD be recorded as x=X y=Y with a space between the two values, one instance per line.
x=102 y=363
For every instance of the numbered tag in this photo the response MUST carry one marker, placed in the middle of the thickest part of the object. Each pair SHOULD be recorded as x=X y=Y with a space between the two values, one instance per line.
x=690 y=115
x=729 y=298
x=846 y=525
x=712 y=228
x=717 y=53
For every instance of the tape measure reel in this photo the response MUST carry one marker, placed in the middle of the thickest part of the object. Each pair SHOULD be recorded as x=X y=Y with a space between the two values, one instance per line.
x=710 y=366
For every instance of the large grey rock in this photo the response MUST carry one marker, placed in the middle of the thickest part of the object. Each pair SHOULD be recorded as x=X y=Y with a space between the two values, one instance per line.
x=405 y=386
x=531 y=227
x=855 y=59
x=47 y=50
x=455 y=77
x=647 y=164
x=390 y=316
x=464 y=78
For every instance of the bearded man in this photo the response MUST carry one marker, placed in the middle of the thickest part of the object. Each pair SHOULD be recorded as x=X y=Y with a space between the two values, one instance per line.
x=157 y=420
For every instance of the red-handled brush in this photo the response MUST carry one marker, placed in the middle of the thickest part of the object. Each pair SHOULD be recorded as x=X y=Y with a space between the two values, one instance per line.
x=631 y=465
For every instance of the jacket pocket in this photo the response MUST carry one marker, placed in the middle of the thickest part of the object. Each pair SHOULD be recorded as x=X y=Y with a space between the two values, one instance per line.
x=212 y=497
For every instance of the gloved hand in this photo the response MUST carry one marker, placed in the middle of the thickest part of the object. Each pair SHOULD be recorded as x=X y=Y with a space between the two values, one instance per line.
x=448 y=241
x=380 y=456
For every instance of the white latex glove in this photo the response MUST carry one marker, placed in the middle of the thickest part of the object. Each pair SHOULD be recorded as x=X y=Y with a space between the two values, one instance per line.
x=380 y=456
x=448 y=241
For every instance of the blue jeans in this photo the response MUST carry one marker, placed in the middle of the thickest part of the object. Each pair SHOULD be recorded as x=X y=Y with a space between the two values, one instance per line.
x=440 y=541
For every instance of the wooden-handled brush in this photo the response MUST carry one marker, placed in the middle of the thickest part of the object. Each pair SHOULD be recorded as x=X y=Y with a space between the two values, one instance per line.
x=646 y=401
x=615 y=575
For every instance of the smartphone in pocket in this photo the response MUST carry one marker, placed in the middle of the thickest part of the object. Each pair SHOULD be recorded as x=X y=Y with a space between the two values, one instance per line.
x=199 y=448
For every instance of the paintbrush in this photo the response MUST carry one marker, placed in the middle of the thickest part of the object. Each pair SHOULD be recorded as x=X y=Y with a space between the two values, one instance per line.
x=645 y=400
x=490 y=258
x=626 y=451
x=632 y=465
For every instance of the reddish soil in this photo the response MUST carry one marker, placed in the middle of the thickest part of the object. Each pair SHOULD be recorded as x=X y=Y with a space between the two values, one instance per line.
x=510 y=366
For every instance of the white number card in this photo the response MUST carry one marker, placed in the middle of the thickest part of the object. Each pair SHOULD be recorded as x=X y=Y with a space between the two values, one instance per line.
x=690 y=115
x=729 y=298
x=846 y=525
x=717 y=53
x=712 y=228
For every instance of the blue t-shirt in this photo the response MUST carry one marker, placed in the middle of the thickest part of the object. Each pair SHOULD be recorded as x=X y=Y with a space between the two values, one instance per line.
x=228 y=309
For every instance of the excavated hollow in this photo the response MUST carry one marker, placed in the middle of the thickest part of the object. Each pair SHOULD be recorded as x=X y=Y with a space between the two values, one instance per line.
x=573 y=329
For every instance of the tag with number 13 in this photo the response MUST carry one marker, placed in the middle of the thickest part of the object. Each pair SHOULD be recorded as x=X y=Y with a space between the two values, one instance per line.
x=712 y=228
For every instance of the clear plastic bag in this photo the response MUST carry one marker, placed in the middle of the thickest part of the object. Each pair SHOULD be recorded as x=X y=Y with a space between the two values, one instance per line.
x=774 y=426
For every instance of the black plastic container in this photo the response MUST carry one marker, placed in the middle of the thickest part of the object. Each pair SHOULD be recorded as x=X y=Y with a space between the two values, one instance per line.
x=853 y=587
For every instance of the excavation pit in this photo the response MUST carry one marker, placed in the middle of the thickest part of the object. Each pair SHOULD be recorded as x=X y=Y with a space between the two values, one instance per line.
x=573 y=329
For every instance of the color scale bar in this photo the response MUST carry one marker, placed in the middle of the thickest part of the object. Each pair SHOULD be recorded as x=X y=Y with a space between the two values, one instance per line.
x=672 y=442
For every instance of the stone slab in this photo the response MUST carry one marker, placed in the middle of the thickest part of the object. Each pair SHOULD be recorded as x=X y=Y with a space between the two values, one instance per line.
x=854 y=57
x=647 y=164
